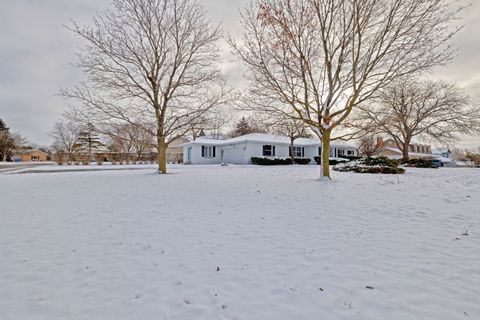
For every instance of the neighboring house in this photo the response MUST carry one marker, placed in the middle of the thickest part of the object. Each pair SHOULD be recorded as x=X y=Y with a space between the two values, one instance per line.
x=23 y=155
x=389 y=149
x=241 y=149
x=175 y=150
x=442 y=152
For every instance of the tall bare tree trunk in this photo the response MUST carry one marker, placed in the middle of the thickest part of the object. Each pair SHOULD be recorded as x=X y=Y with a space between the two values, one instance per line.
x=326 y=153
x=405 y=149
x=162 y=154
x=292 y=151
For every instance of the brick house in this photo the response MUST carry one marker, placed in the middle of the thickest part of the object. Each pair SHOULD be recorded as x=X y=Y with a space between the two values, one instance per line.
x=29 y=155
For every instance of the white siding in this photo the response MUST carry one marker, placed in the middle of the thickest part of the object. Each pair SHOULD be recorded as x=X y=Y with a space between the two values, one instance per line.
x=234 y=154
x=196 y=155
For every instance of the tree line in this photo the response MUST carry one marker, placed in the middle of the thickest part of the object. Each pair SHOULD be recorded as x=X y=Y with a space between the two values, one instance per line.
x=341 y=69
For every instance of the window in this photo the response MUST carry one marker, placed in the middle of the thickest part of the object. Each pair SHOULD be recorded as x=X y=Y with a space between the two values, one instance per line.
x=350 y=153
x=208 y=151
x=268 y=151
x=298 y=152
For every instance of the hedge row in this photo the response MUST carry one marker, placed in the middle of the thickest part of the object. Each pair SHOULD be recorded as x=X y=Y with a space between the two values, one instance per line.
x=371 y=165
x=271 y=161
x=363 y=169
x=278 y=161
x=421 y=163
x=302 y=160
x=332 y=162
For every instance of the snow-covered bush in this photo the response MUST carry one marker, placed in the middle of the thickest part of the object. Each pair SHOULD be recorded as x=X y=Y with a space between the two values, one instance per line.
x=332 y=162
x=302 y=160
x=421 y=163
x=371 y=165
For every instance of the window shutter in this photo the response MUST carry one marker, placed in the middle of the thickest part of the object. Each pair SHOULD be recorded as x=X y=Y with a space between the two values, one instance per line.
x=263 y=150
x=273 y=151
x=303 y=152
x=203 y=151
x=214 y=151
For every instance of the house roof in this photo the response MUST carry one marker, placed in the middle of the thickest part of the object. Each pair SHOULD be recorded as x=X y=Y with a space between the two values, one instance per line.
x=441 y=150
x=396 y=150
x=264 y=138
x=28 y=151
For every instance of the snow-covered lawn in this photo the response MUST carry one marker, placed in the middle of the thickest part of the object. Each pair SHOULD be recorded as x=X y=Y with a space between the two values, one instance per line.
x=240 y=242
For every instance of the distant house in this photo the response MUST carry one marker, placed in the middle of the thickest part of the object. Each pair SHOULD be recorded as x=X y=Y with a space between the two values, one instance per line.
x=443 y=152
x=240 y=150
x=175 y=150
x=35 y=155
x=389 y=149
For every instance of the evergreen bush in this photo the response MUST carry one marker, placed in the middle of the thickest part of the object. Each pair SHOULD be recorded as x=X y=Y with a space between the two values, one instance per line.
x=302 y=160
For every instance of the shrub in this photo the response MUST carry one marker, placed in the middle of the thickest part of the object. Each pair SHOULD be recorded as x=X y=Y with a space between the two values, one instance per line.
x=371 y=165
x=332 y=162
x=421 y=163
x=380 y=161
x=302 y=160
x=351 y=157
x=271 y=161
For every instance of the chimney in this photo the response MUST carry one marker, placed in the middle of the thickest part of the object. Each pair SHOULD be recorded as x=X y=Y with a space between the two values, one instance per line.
x=380 y=142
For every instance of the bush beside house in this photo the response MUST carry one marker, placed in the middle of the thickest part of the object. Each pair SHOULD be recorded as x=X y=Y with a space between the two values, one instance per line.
x=302 y=160
x=421 y=163
x=371 y=165
x=271 y=161
x=332 y=162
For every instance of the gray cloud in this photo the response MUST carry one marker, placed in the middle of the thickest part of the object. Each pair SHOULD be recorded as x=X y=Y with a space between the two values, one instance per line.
x=36 y=52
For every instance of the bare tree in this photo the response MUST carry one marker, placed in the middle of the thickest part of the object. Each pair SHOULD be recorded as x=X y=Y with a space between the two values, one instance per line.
x=368 y=146
x=289 y=127
x=9 y=141
x=130 y=139
x=472 y=157
x=430 y=111
x=319 y=59
x=65 y=134
x=150 y=62
x=217 y=120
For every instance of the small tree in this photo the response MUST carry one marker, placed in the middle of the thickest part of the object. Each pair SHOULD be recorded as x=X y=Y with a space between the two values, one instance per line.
x=88 y=142
x=368 y=146
x=291 y=128
x=427 y=110
x=8 y=141
x=242 y=128
x=65 y=134
x=3 y=126
x=472 y=157
x=247 y=126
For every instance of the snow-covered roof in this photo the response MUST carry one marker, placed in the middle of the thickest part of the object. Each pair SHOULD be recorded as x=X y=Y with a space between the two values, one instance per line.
x=441 y=150
x=264 y=138
x=443 y=159
x=27 y=151
x=410 y=153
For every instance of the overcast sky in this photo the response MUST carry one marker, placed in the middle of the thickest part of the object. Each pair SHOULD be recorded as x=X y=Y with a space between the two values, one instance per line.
x=36 y=52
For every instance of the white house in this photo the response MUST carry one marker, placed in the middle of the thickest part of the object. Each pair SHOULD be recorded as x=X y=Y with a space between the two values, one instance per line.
x=442 y=152
x=240 y=150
